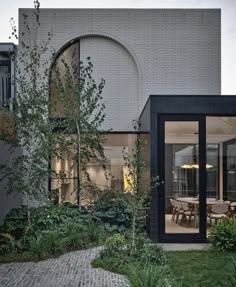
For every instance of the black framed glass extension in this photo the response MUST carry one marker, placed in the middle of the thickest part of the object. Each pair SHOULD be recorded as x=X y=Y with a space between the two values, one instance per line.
x=193 y=151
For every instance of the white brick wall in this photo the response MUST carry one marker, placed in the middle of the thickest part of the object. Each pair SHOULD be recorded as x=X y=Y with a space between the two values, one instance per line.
x=141 y=52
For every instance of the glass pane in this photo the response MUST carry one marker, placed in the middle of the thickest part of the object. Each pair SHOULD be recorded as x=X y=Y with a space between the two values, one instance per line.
x=181 y=176
x=221 y=167
x=64 y=178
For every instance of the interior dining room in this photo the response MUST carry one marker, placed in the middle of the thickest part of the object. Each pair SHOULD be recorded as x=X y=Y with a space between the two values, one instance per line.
x=182 y=173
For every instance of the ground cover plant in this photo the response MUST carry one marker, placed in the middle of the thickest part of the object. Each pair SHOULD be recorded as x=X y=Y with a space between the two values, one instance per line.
x=145 y=264
x=115 y=210
x=53 y=231
x=223 y=235
x=208 y=268
x=203 y=268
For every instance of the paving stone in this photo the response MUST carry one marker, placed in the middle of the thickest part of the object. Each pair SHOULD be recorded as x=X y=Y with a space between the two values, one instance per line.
x=71 y=269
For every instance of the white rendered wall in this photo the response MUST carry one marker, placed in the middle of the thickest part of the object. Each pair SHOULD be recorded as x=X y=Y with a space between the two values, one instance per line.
x=141 y=52
x=113 y=63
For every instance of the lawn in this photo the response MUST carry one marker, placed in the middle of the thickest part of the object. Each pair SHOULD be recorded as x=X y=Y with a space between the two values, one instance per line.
x=202 y=268
x=186 y=268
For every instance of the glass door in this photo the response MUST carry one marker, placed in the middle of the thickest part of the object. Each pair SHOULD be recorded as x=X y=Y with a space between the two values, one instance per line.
x=229 y=193
x=181 y=167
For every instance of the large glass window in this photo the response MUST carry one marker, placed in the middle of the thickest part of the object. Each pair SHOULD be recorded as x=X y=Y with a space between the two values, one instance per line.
x=181 y=176
x=221 y=155
x=221 y=176
x=5 y=84
x=65 y=183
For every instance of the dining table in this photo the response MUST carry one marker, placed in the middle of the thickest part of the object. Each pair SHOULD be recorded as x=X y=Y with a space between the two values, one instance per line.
x=194 y=201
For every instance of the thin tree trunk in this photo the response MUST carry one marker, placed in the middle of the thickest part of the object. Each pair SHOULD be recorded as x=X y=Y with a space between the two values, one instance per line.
x=27 y=195
x=133 y=227
x=28 y=209
x=78 y=165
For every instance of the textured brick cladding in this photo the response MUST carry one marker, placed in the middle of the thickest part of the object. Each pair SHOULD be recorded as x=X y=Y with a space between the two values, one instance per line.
x=168 y=51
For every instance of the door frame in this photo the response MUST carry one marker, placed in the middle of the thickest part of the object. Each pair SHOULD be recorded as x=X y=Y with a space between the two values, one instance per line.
x=225 y=158
x=182 y=237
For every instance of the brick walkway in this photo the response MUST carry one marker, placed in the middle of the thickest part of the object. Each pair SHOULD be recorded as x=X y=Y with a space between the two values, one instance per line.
x=71 y=269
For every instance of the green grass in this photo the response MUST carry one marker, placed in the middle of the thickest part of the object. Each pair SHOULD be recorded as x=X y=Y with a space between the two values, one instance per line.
x=192 y=268
x=200 y=268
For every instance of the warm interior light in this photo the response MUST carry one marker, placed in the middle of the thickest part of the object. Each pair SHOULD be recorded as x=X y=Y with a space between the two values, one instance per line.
x=189 y=166
x=186 y=166
x=128 y=181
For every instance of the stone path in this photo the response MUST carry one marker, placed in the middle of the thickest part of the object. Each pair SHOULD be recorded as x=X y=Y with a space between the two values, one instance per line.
x=71 y=269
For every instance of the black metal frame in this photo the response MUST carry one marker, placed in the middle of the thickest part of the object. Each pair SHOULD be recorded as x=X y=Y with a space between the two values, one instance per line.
x=7 y=63
x=225 y=181
x=183 y=237
x=185 y=106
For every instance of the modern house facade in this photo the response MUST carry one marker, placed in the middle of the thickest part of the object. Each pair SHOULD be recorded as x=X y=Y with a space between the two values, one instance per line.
x=193 y=150
x=175 y=53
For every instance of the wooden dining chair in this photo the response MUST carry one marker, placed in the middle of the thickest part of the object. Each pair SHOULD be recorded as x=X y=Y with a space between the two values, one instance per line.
x=173 y=206
x=179 y=210
x=187 y=211
x=218 y=212
x=232 y=208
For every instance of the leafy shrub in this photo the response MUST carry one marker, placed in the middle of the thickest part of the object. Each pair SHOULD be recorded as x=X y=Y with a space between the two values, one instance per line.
x=74 y=238
x=141 y=254
x=150 y=276
x=15 y=222
x=115 y=244
x=37 y=247
x=42 y=218
x=46 y=243
x=95 y=232
x=114 y=209
x=7 y=243
x=223 y=235
x=82 y=236
x=53 y=242
x=45 y=218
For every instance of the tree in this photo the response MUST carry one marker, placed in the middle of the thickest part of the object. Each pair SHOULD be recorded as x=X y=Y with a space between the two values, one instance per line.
x=29 y=171
x=80 y=116
x=138 y=185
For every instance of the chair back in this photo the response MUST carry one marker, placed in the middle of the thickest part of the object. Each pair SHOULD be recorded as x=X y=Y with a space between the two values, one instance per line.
x=185 y=206
x=220 y=208
x=178 y=204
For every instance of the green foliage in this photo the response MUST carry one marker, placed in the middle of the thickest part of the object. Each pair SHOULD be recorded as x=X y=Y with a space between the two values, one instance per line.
x=46 y=243
x=83 y=110
x=46 y=218
x=95 y=232
x=114 y=209
x=122 y=250
x=27 y=173
x=42 y=218
x=53 y=230
x=53 y=242
x=74 y=237
x=203 y=268
x=115 y=244
x=139 y=186
x=37 y=246
x=223 y=235
x=150 y=276
x=145 y=265
x=146 y=252
x=230 y=271
x=15 y=222
x=7 y=243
